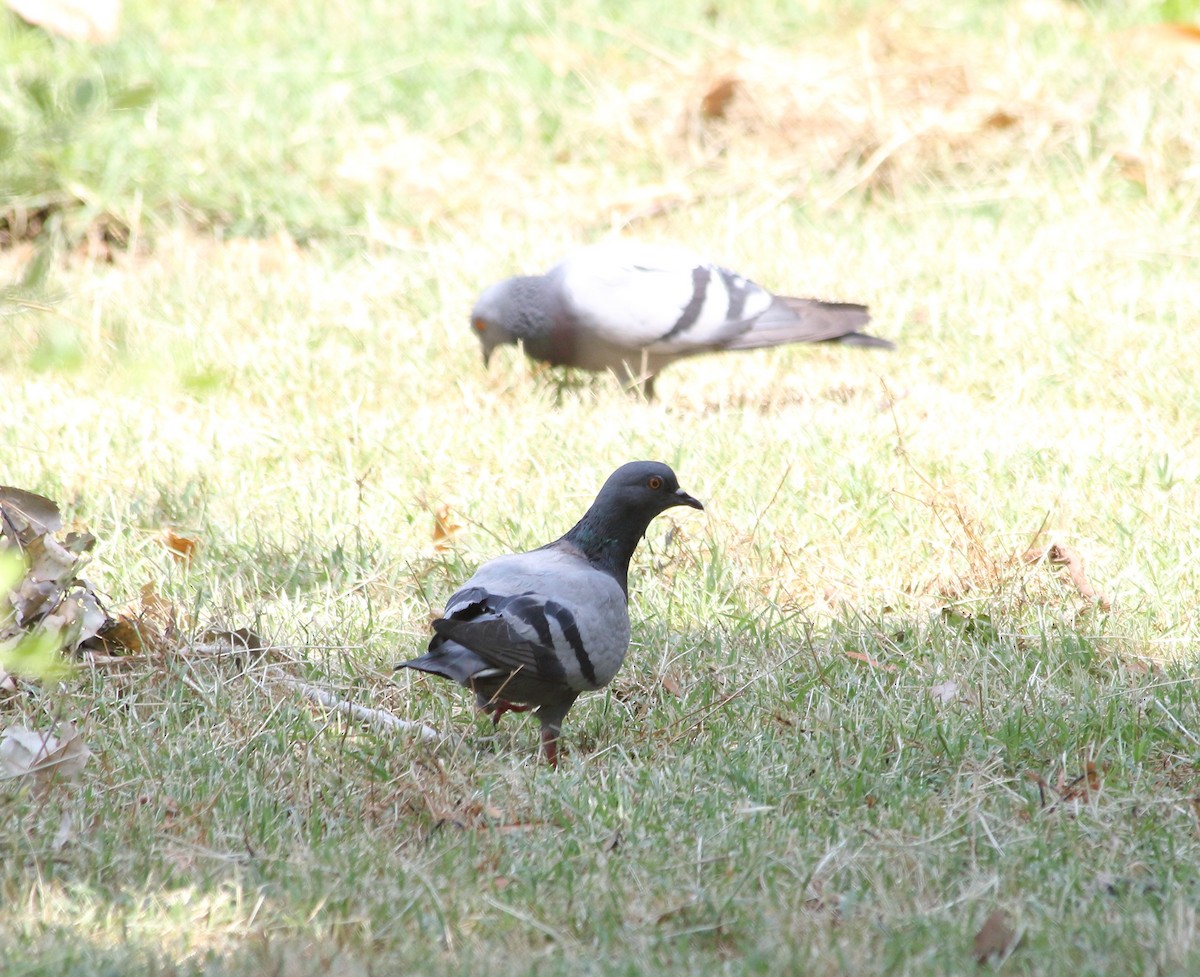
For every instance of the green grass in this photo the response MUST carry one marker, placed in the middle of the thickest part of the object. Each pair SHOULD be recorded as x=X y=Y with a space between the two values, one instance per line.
x=770 y=784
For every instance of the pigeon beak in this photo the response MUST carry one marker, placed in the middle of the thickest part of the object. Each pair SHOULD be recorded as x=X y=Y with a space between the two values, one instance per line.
x=682 y=498
x=487 y=355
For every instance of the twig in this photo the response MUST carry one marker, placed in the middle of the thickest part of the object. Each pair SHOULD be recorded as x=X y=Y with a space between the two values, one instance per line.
x=379 y=718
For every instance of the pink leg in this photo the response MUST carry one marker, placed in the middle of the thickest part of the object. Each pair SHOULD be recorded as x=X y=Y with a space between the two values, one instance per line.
x=550 y=745
x=498 y=707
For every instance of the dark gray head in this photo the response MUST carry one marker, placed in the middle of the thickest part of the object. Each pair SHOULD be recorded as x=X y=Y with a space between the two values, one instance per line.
x=516 y=308
x=633 y=495
x=640 y=490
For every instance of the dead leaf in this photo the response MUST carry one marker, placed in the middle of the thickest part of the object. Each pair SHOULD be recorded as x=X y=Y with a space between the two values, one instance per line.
x=715 y=102
x=182 y=548
x=158 y=609
x=862 y=656
x=1083 y=786
x=77 y=617
x=944 y=693
x=995 y=938
x=612 y=843
x=127 y=634
x=671 y=687
x=33 y=507
x=445 y=527
x=154 y=630
x=1066 y=556
x=78 y=20
x=44 y=756
x=1001 y=119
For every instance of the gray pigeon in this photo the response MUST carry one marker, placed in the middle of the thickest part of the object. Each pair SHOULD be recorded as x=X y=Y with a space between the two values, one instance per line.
x=534 y=630
x=634 y=308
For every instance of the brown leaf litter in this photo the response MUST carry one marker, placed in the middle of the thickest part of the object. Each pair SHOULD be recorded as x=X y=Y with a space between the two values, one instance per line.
x=1082 y=787
x=46 y=604
x=47 y=758
x=1062 y=555
x=182 y=548
x=48 y=611
x=996 y=938
x=445 y=527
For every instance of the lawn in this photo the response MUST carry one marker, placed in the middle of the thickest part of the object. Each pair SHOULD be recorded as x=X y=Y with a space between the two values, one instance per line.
x=867 y=705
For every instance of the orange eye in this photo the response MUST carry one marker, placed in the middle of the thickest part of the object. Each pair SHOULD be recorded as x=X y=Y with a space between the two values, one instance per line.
x=655 y=482
x=478 y=325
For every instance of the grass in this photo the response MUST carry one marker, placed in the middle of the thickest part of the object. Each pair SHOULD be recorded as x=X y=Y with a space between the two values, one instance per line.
x=853 y=722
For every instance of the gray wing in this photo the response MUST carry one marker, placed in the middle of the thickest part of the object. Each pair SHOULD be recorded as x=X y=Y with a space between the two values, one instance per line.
x=661 y=299
x=669 y=301
x=526 y=632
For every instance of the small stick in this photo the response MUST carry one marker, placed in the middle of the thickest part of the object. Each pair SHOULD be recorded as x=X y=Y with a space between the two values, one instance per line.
x=379 y=718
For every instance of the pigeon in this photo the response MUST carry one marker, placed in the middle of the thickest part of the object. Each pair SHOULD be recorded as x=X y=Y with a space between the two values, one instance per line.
x=535 y=630
x=634 y=308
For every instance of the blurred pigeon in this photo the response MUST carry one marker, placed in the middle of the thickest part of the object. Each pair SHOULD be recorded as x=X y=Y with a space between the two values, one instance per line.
x=534 y=630
x=634 y=308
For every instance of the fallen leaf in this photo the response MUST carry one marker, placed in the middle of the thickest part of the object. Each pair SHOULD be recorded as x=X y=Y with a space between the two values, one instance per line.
x=33 y=507
x=49 y=561
x=76 y=618
x=126 y=634
x=864 y=657
x=44 y=756
x=1001 y=119
x=1066 y=556
x=1083 y=786
x=158 y=609
x=670 y=686
x=182 y=548
x=612 y=843
x=445 y=528
x=995 y=938
x=715 y=102
x=945 y=692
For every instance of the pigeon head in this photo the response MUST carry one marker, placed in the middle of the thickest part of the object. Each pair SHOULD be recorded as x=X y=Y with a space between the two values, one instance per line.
x=643 y=489
x=632 y=496
x=515 y=309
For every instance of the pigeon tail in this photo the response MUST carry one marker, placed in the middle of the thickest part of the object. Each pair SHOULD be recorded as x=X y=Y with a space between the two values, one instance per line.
x=450 y=660
x=864 y=341
x=793 y=320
